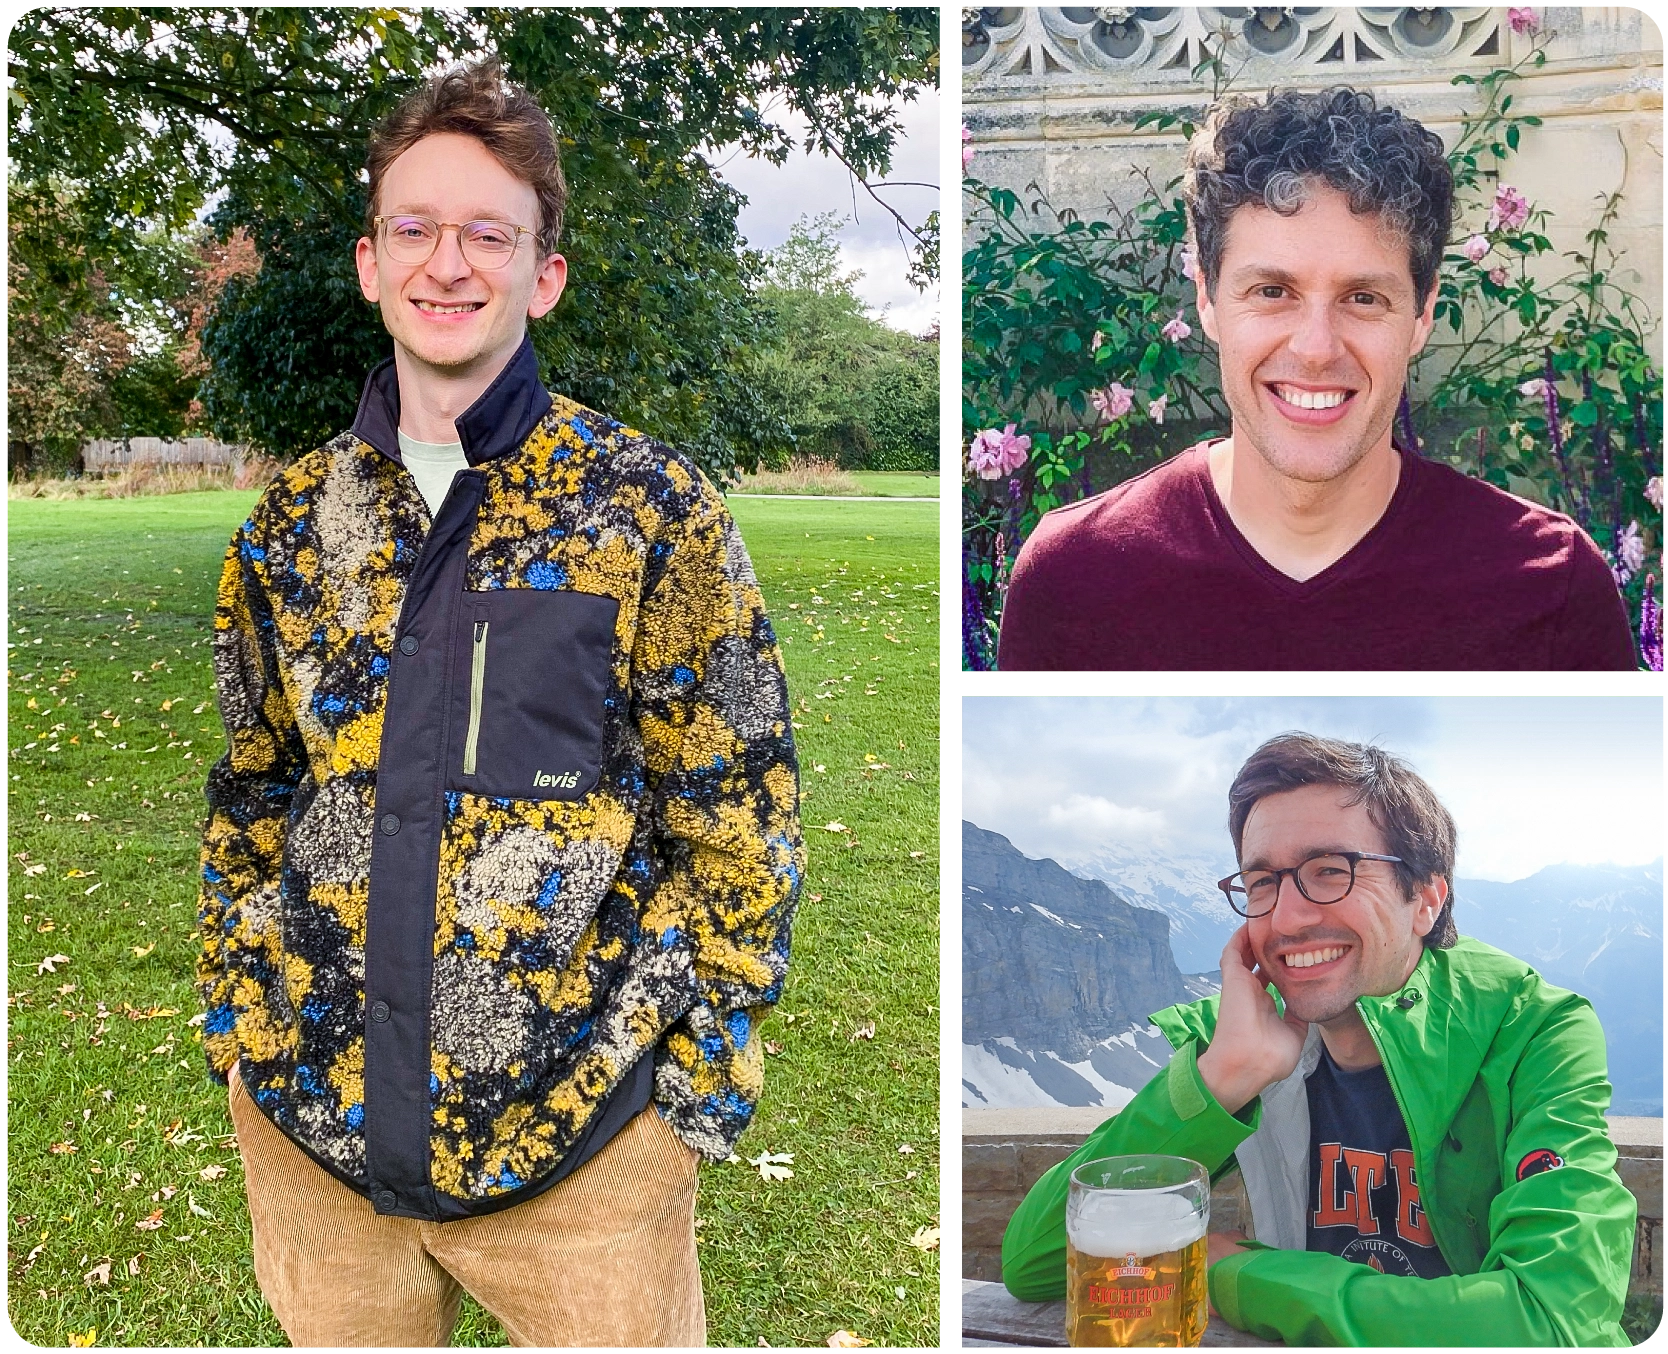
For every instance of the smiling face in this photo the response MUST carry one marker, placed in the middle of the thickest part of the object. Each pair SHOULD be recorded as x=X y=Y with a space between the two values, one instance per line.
x=1321 y=958
x=447 y=317
x=1316 y=320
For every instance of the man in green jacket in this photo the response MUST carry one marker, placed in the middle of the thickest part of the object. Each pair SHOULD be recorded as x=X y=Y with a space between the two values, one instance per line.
x=1418 y=1117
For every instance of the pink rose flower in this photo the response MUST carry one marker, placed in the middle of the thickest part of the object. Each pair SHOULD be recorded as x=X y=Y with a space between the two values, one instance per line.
x=1475 y=248
x=1096 y=341
x=1524 y=20
x=1155 y=410
x=1535 y=389
x=966 y=148
x=1510 y=209
x=1177 y=329
x=1653 y=490
x=1113 y=402
x=995 y=452
x=1498 y=275
x=1189 y=265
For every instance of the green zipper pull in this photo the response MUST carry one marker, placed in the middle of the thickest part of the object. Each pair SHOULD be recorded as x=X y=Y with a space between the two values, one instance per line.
x=477 y=682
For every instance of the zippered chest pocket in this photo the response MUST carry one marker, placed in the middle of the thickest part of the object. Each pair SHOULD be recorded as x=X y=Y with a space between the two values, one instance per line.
x=530 y=672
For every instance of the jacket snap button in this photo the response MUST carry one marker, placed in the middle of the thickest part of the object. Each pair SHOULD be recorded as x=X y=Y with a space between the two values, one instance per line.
x=390 y=823
x=379 y=1011
x=408 y=645
x=1409 y=999
x=385 y=1200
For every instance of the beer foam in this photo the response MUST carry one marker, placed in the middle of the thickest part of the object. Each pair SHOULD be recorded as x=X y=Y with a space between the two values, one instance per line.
x=1115 y=1222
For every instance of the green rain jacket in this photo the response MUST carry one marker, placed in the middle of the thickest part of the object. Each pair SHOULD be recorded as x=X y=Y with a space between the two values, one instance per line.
x=1501 y=1079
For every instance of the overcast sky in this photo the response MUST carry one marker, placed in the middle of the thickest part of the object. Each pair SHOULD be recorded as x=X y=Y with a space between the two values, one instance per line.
x=806 y=185
x=1530 y=782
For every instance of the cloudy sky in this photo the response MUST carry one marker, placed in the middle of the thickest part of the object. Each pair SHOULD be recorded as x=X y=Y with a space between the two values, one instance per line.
x=807 y=184
x=1530 y=782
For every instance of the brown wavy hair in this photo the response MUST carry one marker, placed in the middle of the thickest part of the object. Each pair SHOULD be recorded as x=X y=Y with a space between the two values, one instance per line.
x=476 y=100
x=1402 y=806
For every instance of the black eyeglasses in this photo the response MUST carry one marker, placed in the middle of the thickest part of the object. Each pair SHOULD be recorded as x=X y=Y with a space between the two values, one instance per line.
x=1325 y=878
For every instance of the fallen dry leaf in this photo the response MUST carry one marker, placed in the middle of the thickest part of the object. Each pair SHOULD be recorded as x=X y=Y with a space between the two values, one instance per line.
x=34 y=869
x=904 y=1149
x=925 y=1239
x=772 y=1047
x=197 y=1208
x=835 y=827
x=140 y=951
x=63 y=1149
x=847 y=1339
x=50 y=963
x=862 y=1032
x=133 y=1264
x=772 y=1165
x=99 y=1274
x=151 y=1223
x=212 y=1172
x=79 y=1341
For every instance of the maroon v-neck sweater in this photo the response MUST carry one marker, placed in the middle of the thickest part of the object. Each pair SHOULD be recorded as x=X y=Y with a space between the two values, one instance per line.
x=1457 y=574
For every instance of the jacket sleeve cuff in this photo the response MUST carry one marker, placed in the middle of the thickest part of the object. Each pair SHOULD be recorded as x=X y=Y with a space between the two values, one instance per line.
x=1223 y=1278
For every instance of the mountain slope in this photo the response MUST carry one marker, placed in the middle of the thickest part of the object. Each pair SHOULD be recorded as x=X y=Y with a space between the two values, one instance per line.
x=1058 y=978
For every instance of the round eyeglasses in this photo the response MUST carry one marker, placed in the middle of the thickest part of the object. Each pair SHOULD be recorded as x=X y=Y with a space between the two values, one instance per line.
x=485 y=244
x=1325 y=878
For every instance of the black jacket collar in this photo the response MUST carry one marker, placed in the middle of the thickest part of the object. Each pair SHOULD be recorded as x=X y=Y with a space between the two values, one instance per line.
x=499 y=422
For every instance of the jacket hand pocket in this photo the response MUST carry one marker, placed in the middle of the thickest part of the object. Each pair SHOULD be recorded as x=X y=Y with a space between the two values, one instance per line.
x=530 y=672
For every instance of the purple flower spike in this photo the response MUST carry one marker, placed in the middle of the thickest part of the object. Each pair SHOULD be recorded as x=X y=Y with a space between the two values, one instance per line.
x=1650 y=626
x=1554 y=433
x=974 y=656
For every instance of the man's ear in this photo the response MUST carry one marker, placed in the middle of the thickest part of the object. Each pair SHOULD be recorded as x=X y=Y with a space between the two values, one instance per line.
x=1428 y=899
x=1207 y=309
x=548 y=283
x=1425 y=322
x=364 y=259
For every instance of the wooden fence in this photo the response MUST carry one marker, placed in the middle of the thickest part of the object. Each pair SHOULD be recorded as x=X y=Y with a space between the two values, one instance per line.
x=103 y=455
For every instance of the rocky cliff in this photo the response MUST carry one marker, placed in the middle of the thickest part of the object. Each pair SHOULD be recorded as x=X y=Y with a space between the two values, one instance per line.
x=1053 y=963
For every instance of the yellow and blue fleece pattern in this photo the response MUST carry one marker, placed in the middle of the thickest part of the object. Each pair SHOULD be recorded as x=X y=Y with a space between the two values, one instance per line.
x=648 y=916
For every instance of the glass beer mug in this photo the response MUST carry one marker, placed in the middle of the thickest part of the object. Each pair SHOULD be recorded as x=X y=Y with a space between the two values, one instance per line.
x=1135 y=1252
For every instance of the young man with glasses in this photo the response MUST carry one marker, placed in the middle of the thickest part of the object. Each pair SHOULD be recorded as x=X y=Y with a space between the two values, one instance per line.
x=1418 y=1118
x=503 y=854
x=1306 y=538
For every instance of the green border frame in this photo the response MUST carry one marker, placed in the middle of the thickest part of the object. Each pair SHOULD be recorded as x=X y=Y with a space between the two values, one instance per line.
x=959 y=684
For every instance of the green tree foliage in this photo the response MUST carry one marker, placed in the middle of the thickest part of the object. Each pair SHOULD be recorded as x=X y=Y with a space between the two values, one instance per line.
x=91 y=346
x=658 y=326
x=848 y=388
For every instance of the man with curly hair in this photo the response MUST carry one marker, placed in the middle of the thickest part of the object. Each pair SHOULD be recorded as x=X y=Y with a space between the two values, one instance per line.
x=1307 y=539
x=503 y=854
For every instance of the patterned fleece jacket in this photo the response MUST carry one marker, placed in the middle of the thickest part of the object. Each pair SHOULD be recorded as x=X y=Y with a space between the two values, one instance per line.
x=505 y=838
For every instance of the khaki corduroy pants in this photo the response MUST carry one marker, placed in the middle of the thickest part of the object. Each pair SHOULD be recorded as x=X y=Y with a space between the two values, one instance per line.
x=605 y=1257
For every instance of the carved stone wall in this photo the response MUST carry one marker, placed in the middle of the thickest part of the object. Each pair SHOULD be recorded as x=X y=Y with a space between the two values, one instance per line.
x=1051 y=95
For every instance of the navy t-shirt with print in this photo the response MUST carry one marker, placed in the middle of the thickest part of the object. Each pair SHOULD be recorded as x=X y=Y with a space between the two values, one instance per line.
x=1363 y=1195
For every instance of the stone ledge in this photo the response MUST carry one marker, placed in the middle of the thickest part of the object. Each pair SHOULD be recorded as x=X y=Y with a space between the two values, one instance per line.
x=1004 y=1151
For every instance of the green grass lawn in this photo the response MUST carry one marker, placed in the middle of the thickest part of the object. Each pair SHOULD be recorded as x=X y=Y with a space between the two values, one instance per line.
x=113 y=1121
x=897 y=483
